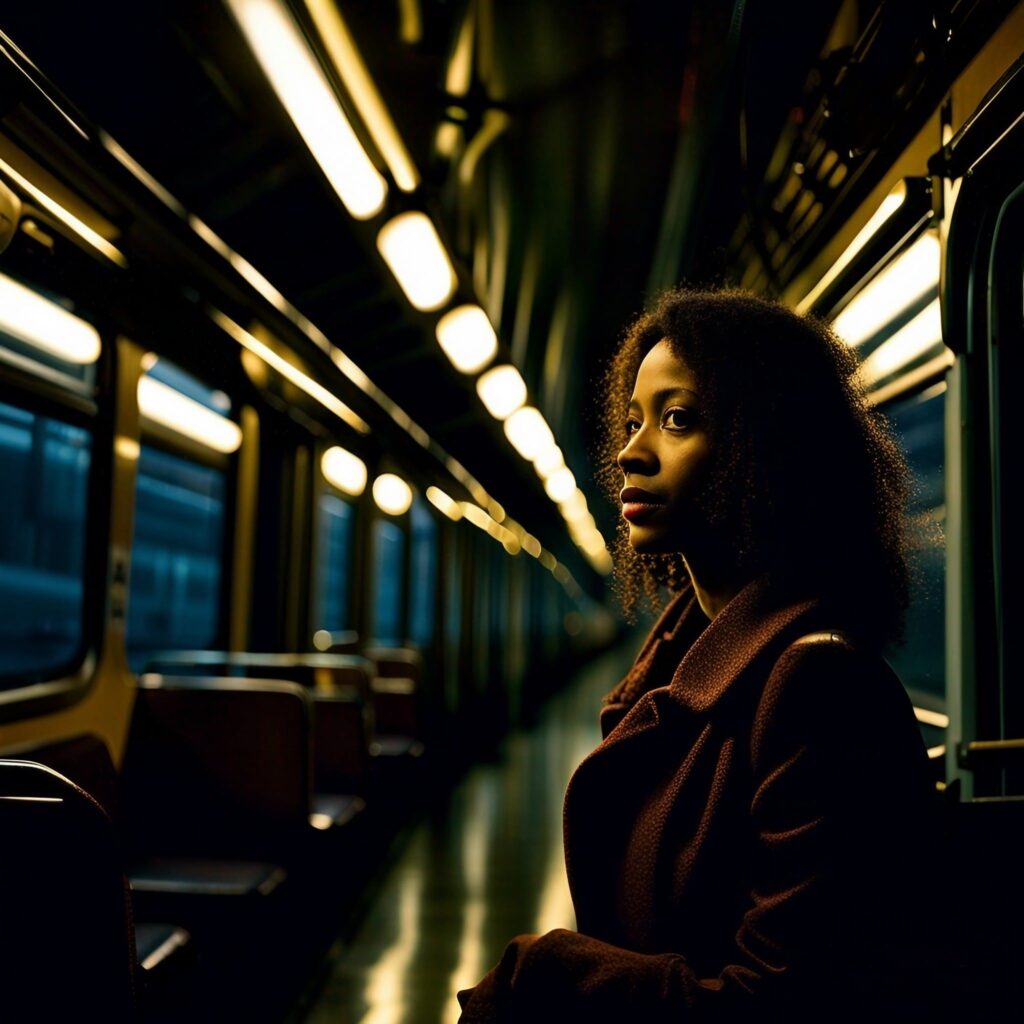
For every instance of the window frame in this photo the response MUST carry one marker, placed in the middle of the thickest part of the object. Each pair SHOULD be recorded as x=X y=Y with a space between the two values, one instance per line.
x=45 y=395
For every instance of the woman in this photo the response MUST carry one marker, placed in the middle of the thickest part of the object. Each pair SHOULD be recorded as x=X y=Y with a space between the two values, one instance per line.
x=749 y=840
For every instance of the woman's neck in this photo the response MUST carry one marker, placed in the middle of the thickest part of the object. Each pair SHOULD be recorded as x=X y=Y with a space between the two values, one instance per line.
x=714 y=587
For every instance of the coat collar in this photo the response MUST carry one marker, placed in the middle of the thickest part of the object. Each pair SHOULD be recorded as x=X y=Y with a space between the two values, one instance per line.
x=706 y=666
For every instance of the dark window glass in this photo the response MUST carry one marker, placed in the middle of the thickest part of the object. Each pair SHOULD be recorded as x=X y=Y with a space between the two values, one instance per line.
x=453 y=619
x=921 y=662
x=388 y=542
x=174 y=597
x=423 y=574
x=44 y=465
x=334 y=560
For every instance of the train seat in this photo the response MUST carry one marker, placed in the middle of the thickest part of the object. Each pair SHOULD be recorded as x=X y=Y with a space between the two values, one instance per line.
x=225 y=766
x=67 y=939
x=365 y=710
x=396 y=688
x=983 y=947
x=164 y=950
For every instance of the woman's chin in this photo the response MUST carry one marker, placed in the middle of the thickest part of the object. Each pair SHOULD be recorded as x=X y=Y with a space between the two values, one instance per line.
x=645 y=541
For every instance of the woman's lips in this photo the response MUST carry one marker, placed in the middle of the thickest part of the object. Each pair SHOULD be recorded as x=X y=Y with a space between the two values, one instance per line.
x=638 y=504
x=637 y=511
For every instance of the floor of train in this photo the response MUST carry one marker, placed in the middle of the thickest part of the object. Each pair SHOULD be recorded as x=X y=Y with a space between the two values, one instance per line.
x=471 y=875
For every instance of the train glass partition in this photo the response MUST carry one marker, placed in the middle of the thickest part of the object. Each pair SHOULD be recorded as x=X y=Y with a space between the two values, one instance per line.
x=388 y=582
x=178 y=550
x=333 y=567
x=893 y=324
x=48 y=365
x=423 y=574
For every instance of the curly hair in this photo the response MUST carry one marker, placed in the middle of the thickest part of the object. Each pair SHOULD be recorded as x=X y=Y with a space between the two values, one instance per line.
x=808 y=484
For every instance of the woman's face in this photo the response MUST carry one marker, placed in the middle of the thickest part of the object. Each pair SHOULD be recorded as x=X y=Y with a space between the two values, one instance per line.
x=667 y=456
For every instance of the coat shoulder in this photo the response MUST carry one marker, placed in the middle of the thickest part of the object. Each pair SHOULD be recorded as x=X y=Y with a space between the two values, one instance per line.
x=822 y=682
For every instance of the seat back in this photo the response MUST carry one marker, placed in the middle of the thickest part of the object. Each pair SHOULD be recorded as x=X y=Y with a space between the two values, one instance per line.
x=218 y=766
x=83 y=758
x=984 y=853
x=66 y=934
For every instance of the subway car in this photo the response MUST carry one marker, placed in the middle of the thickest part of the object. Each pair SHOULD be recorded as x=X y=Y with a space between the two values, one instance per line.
x=306 y=592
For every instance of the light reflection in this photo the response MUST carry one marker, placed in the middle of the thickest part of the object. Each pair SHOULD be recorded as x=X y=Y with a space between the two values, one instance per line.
x=479 y=825
x=384 y=997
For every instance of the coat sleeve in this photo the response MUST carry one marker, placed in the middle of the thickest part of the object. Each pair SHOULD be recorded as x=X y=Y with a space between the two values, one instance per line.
x=840 y=798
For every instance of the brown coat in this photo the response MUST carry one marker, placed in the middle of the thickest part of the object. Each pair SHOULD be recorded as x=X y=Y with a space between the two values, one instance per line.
x=747 y=841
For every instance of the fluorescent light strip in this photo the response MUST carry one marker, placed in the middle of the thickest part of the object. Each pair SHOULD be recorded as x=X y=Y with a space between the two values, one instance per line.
x=910 y=342
x=80 y=228
x=326 y=398
x=160 y=403
x=908 y=381
x=348 y=62
x=936 y=718
x=304 y=91
x=38 y=321
x=907 y=278
x=892 y=202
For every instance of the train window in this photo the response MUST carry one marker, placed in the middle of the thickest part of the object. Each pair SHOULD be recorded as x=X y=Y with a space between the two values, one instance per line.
x=453 y=619
x=45 y=467
x=423 y=574
x=174 y=600
x=919 y=423
x=388 y=557
x=334 y=559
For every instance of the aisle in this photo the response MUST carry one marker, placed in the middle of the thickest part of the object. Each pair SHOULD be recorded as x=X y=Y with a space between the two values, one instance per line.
x=487 y=867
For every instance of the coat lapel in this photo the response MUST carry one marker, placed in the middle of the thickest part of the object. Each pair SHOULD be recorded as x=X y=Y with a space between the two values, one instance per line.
x=746 y=628
x=654 y=718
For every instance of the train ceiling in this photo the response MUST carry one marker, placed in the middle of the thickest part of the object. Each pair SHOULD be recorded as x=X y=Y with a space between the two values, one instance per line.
x=575 y=157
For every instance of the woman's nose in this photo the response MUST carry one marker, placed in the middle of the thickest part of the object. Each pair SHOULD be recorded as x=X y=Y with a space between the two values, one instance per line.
x=636 y=456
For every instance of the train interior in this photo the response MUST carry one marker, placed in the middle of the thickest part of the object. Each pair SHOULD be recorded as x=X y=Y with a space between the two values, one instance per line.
x=304 y=573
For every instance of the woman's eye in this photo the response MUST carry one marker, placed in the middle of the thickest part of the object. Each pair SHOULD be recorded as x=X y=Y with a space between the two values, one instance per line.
x=678 y=419
x=632 y=426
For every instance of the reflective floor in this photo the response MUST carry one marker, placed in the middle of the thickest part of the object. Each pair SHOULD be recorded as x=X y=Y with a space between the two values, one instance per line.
x=487 y=867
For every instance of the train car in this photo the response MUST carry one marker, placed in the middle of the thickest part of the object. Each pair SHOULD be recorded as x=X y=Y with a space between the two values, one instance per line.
x=306 y=592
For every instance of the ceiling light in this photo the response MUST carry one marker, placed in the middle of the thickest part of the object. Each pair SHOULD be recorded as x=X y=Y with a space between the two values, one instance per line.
x=467 y=338
x=531 y=545
x=392 y=494
x=160 y=403
x=413 y=251
x=911 y=341
x=502 y=390
x=901 y=283
x=575 y=506
x=348 y=62
x=37 y=321
x=549 y=461
x=528 y=432
x=561 y=485
x=301 y=86
x=344 y=470
x=444 y=503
